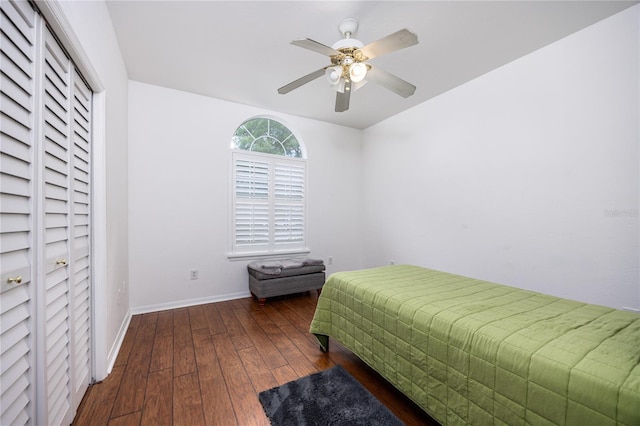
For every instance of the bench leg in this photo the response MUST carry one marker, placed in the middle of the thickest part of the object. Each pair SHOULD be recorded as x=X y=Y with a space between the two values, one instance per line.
x=261 y=300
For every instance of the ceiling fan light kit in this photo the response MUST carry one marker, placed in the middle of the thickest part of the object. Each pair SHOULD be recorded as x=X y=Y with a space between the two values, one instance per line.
x=349 y=68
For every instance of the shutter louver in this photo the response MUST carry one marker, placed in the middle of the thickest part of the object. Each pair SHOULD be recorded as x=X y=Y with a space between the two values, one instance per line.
x=252 y=179
x=17 y=86
x=252 y=224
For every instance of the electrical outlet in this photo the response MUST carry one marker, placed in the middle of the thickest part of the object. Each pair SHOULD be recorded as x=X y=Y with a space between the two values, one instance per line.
x=392 y=262
x=330 y=260
x=194 y=274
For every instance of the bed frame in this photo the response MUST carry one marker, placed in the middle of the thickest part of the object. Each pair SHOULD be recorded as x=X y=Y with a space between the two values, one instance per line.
x=472 y=352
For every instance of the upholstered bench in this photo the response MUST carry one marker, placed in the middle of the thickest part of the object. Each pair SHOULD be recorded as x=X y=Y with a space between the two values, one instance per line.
x=280 y=277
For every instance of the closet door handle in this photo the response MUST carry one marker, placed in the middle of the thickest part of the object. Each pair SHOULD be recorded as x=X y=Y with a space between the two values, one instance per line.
x=62 y=262
x=15 y=280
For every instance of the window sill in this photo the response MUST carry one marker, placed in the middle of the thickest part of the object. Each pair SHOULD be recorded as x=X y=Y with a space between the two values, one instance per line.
x=268 y=255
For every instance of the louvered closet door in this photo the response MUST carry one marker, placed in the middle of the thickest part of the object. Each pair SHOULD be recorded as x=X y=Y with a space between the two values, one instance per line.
x=45 y=239
x=55 y=199
x=80 y=239
x=17 y=84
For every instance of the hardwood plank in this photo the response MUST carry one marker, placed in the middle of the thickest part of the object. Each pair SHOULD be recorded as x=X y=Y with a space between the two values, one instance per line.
x=278 y=336
x=258 y=371
x=272 y=357
x=127 y=342
x=234 y=329
x=158 y=401
x=295 y=358
x=133 y=386
x=165 y=323
x=303 y=306
x=187 y=401
x=243 y=303
x=263 y=318
x=292 y=316
x=132 y=419
x=205 y=354
x=284 y=375
x=181 y=318
x=243 y=396
x=162 y=352
x=184 y=360
x=97 y=404
x=212 y=316
x=216 y=403
x=196 y=317
x=274 y=315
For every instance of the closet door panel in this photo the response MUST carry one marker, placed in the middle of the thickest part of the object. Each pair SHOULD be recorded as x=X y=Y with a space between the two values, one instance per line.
x=80 y=239
x=17 y=86
x=55 y=209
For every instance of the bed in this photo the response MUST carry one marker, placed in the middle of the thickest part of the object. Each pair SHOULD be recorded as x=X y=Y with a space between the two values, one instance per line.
x=473 y=352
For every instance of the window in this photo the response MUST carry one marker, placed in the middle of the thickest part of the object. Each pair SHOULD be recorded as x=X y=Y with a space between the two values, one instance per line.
x=268 y=190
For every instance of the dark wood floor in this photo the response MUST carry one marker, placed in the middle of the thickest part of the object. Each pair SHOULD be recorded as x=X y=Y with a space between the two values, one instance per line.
x=206 y=364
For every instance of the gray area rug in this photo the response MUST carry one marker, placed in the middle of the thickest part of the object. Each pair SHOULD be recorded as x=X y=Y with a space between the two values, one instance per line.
x=330 y=397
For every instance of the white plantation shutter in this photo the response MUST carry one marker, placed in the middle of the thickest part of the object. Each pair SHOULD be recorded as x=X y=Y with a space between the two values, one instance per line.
x=251 y=203
x=289 y=202
x=17 y=86
x=268 y=203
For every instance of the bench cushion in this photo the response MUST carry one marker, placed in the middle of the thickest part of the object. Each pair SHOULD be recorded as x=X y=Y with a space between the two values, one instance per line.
x=266 y=270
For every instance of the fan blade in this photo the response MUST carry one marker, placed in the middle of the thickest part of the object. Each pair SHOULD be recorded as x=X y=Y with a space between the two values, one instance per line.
x=302 y=80
x=342 y=98
x=392 y=42
x=391 y=82
x=307 y=43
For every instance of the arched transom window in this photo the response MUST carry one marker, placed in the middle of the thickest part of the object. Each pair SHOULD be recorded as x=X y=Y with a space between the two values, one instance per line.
x=267 y=136
x=268 y=190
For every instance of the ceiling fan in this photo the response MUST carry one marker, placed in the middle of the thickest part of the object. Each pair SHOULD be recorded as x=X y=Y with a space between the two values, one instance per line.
x=349 y=69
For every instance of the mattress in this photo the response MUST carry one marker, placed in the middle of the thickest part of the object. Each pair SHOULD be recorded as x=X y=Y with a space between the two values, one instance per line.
x=474 y=352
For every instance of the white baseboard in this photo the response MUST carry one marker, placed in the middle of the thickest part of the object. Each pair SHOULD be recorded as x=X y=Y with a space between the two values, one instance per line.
x=115 y=349
x=187 y=302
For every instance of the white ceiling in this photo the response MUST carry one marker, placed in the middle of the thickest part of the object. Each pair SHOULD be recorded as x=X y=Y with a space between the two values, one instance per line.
x=240 y=50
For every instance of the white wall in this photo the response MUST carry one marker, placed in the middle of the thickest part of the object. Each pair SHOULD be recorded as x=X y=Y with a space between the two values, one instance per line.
x=91 y=24
x=526 y=176
x=179 y=182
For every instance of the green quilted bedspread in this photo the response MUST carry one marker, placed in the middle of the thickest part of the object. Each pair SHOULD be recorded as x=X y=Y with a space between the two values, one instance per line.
x=474 y=352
